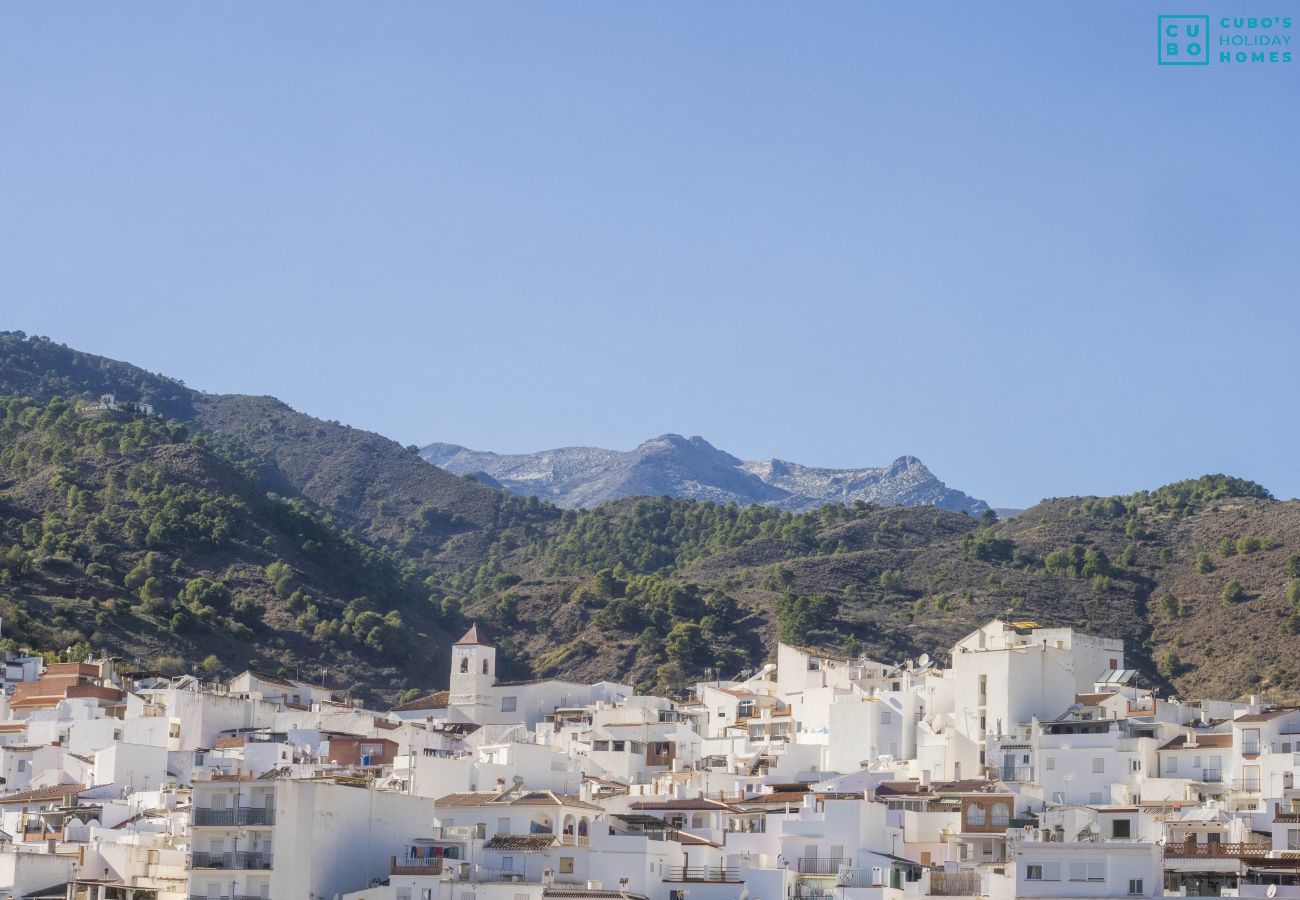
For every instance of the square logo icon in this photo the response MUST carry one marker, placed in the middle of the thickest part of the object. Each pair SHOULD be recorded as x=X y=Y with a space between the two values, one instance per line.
x=1183 y=40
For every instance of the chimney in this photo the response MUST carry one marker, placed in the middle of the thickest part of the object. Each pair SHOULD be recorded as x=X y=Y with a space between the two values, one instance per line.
x=1191 y=739
x=1254 y=705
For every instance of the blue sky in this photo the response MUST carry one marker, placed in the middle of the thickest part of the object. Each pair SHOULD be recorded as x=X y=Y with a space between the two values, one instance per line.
x=995 y=236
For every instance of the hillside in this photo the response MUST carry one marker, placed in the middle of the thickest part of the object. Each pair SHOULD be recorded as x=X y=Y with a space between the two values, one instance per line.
x=118 y=531
x=693 y=469
x=240 y=529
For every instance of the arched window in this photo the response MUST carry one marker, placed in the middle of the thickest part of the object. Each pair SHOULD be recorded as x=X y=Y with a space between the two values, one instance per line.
x=975 y=814
x=582 y=827
x=464 y=663
x=1001 y=814
x=485 y=667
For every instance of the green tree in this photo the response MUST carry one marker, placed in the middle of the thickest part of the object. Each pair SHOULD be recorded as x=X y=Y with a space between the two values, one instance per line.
x=1232 y=591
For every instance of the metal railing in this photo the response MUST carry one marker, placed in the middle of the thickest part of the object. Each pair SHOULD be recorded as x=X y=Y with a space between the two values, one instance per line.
x=415 y=865
x=703 y=873
x=1014 y=773
x=242 y=815
x=242 y=859
x=820 y=866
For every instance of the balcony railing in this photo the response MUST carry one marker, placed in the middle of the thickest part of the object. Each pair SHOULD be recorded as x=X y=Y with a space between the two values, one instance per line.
x=820 y=866
x=955 y=884
x=574 y=840
x=1250 y=748
x=704 y=873
x=242 y=815
x=243 y=859
x=1216 y=850
x=1211 y=776
x=1285 y=816
x=415 y=865
x=1014 y=773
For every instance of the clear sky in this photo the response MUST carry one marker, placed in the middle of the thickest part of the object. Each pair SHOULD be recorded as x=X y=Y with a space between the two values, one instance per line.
x=996 y=236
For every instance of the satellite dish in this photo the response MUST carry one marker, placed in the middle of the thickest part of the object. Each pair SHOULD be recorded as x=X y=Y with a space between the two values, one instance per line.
x=1093 y=828
x=1271 y=891
x=924 y=660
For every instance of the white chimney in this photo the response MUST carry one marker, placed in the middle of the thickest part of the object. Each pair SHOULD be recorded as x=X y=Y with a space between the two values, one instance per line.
x=1254 y=705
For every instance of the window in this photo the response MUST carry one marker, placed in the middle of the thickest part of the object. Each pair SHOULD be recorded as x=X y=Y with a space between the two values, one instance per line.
x=1001 y=814
x=507 y=864
x=1050 y=763
x=1033 y=873
x=485 y=667
x=1098 y=764
x=1293 y=838
x=1083 y=870
x=508 y=704
x=404 y=893
x=1121 y=828
x=566 y=865
x=464 y=663
x=503 y=825
x=975 y=815
x=1135 y=887
x=1171 y=765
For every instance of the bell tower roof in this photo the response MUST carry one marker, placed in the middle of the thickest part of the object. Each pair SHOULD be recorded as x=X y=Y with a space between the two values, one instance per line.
x=473 y=636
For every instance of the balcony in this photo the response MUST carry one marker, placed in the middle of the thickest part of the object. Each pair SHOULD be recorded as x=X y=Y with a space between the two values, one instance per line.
x=414 y=865
x=1285 y=816
x=826 y=866
x=1216 y=850
x=573 y=840
x=1211 y=776
x=955 y=884
x=234 y=816
x=1250 y=748
x=711 y=874
x=243 y=859
x=1014 y=773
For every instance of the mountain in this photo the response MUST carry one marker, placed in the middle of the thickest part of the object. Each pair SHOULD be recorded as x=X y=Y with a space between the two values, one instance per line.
x=226 y=530
x=692 y=468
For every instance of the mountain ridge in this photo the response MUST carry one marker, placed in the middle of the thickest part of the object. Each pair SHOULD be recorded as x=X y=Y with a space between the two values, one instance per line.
x=692 y=468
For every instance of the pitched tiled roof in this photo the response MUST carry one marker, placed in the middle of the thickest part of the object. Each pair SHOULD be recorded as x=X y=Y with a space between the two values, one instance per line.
x=436 y=700
x=528 y=798
x=1202 y=740
x=686 y=803
x=473 y=637
x=520 y=842
x=53 y=792
x=1265 y=716
x=965 y=786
